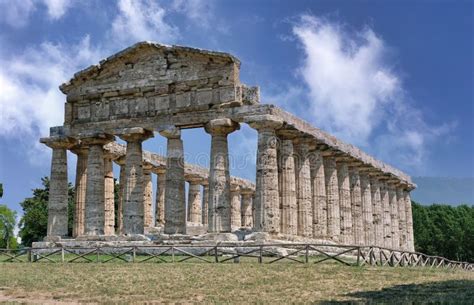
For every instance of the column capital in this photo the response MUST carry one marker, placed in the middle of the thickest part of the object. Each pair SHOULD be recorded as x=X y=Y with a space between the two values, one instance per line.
x=134 y=134
x=96 y=138
x=147 y=167
x=170 y=132
x=59 y=142
x=222 y=126
x=264 y=122
x=80 y=149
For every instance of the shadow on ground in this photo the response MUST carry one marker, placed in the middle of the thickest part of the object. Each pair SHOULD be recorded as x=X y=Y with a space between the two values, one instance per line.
x=447 y=292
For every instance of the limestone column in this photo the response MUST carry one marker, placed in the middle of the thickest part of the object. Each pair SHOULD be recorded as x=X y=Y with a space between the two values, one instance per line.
x=205 y=203
x=219 y=176
x=332 y=193
x=409 y=219
x=160 y=198
x=133 y=204
x=175 y=197
x=109 y=199
x=94 y=223
x=80 y=190
x=121 y=199
x=320 y=209
x=402 y=223
x=386 y=220
x=247 y=219
x=356 y=206
x=288 y=188
x=147 y=197
x=345 y=202
x=194 y=202
x=235 y=204
x=392 y=195
x=303 y=189
x=266 y=201
x=377 y=211
x=58 y=186
x=367 y=213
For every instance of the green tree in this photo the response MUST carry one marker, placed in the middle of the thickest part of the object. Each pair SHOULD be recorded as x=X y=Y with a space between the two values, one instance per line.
x=34 y=223
x=7 y=225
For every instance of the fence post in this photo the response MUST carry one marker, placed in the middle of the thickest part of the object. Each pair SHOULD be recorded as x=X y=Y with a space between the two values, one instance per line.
x=28 y=254
x=358 y=256
x=62 y=254
x=172 y=254
x=134 y=254
x=306 y=253
x=260 y=258
x=215 y=254
x=97 y=256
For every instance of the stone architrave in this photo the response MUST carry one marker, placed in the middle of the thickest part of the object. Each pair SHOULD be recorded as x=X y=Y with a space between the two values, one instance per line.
x=303 y=189
x=386 y=218
x=289 y=214
x=133 y=205
x=58 y=186
x=402 y=221
x=377 y=211
x=356 y=206
x=80 y=190
x=175 y=197
x=219 y=175
x=392 y=195
x=409 y=220
x=320 y=208
x=247 y=219
x=266 y=202
x=332 y=193
x=345 y=202
x=147 y=197
x=194 y=202
x=109 y=200
x=160 y=198
x=205 y=203
x=368 y=217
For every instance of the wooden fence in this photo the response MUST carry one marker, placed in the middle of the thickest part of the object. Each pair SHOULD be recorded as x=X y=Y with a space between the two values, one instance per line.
x=265 y=254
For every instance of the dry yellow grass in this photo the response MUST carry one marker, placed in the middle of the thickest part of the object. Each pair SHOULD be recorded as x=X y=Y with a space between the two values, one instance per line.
x=231 y=283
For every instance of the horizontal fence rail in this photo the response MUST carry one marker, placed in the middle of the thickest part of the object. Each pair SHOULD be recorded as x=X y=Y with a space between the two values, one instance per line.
x=349 y=255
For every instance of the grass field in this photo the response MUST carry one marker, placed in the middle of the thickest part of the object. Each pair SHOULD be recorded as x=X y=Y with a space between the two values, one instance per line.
x=331 y=283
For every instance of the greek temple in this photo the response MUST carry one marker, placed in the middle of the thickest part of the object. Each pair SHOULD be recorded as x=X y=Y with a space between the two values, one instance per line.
x=309 y=185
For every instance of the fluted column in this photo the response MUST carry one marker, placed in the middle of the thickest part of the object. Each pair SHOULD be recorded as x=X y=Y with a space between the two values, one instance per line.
x=247 y=219
x=94 y=223
x=58 y=186
x=366 y=193
x=121 y=198
x=235 y=210
x=219 y=176
x=320 y=209
x=377 y=211
x=194 y=202
x=133 y=204
x=356 y=206
x=266 y=201
x=205 y=204
x=147 y=197
x=409 y=219
x=386 y=218
x=109 y=199
x=345 y=202
x=80 y=190
x=160 y=198
x=288 y=188
x=392 y=195
x=332 y=193
x=303 y=189
x=175 y=197
x=402 y=221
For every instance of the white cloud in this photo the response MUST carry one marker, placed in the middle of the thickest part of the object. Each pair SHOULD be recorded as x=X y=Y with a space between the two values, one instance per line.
x=142 y=20
x=57 y=8
x=31 y=102
x=198 y=11
x=354 y=93
x=16 y=13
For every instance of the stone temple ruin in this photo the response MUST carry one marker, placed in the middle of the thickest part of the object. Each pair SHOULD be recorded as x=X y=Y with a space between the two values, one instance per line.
x=309 y=185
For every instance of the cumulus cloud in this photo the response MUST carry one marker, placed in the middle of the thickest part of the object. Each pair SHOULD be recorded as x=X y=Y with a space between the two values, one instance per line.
x=198 y=11
x=16 y=13
x=57 y=8
x=355 y=94
x=142 y=20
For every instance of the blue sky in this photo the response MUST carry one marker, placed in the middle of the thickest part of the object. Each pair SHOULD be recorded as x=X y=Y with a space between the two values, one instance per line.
x=392 y=77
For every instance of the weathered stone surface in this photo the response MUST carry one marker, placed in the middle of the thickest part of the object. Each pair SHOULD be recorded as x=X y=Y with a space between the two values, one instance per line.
x=402 y=223
x=386 y=220
x=332 y=193
x=303 y=190
x=160 y=198
x=289 y=214
x=356 y=206
x=367 y=213
x=121 y=199
x=147 y=197
x=377 y=211
x=247 y=217
x=392 y=195
x=409 y=219
x=320 y=208
x=219 y=176
x=109 y=200
x=80 y=191
x=235 y=208
x=205 y=204
x=194 y=202
x=345 y=203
